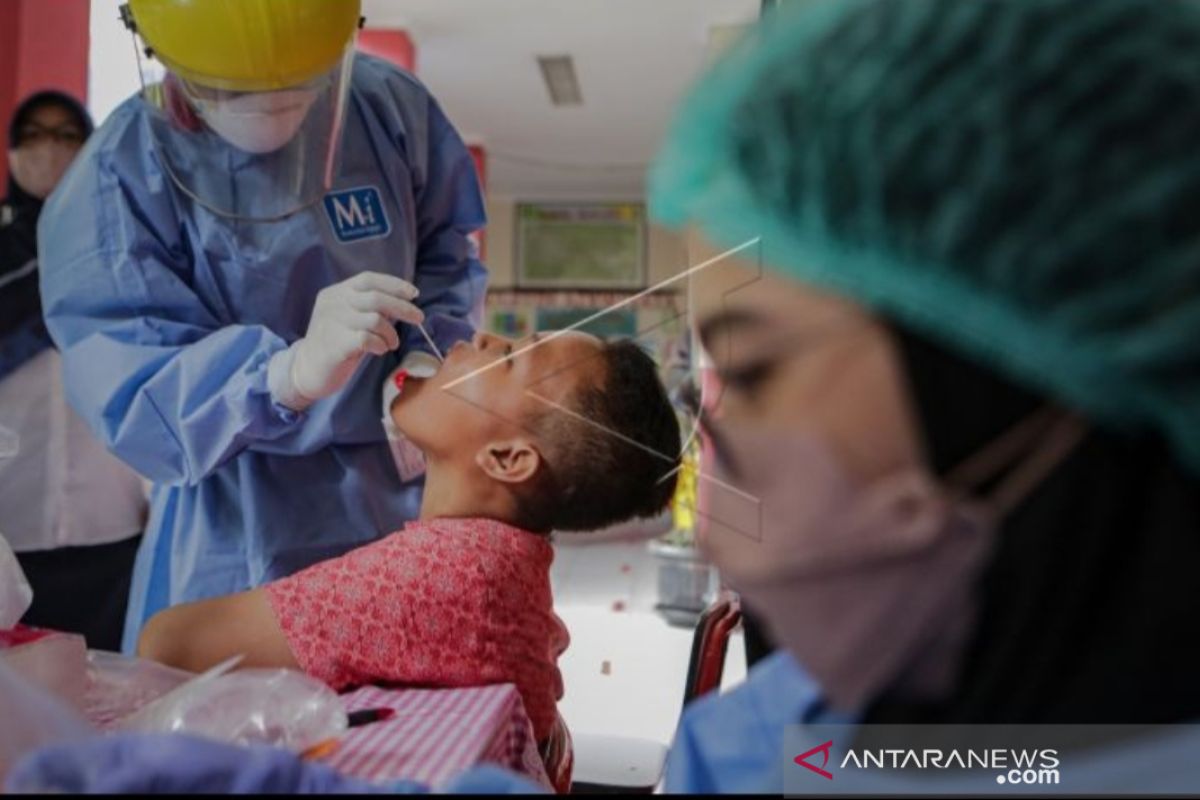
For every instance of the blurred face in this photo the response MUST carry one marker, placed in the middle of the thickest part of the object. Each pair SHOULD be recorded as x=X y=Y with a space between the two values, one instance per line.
x=814 y=501
x=48 y=143
x=488 y=387
x=791 y=357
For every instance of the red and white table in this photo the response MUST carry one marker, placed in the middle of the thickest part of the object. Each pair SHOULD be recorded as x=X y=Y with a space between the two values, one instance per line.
x=434 y=734
x=437 y=734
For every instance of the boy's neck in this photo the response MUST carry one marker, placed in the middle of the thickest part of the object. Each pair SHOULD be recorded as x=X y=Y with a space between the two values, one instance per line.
x=448 y=493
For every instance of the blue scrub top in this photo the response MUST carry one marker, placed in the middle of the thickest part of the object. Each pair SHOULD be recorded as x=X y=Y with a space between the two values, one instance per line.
x=167 y=315
x=732 y=743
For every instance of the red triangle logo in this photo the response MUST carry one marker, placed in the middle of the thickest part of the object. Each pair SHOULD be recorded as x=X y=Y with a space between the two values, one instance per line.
x=823 y=749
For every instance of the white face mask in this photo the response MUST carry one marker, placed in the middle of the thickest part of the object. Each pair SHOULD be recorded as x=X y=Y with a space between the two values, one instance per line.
x=37 y=168
x=409 y=459
x=258 y=123
x=868 y=585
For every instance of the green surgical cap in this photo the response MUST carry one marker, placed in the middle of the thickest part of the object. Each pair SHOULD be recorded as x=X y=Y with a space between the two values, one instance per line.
x=1016 y=179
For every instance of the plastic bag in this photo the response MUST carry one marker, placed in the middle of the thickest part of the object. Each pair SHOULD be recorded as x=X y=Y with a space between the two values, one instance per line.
x=55 y=661
x=277 y=707
x=30 y=717
x=15 y=593
x=118 y=686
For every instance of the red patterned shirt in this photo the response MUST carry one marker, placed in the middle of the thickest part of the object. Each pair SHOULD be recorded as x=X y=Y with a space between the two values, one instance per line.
x=441 y=603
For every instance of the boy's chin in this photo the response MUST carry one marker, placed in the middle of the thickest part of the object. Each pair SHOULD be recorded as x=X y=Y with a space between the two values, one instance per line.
x=401 y=412
x=410 y=409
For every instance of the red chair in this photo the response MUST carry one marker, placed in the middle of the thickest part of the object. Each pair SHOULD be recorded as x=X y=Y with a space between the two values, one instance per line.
x=558 y=756
x=710 y=643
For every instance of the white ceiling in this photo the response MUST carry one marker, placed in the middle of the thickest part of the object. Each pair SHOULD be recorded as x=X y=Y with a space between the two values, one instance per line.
x=634 y=60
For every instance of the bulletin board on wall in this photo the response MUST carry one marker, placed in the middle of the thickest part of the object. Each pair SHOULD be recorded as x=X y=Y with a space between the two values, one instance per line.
x=581 y=245
x=657 y=320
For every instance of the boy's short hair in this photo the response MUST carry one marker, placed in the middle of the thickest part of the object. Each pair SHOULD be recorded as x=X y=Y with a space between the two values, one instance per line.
x=615 y=457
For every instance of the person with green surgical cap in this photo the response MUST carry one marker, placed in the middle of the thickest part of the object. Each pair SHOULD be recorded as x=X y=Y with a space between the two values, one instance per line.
x=954 y=458
x=963 y=390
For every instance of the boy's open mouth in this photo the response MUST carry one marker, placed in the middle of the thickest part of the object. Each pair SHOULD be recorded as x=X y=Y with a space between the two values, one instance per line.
x=423 y=367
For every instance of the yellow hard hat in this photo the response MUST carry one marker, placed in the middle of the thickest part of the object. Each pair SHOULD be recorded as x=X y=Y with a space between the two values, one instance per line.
x=247 y=45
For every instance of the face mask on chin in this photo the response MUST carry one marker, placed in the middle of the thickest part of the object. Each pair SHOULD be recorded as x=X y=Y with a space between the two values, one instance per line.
x=866 y=583
x=37 y=168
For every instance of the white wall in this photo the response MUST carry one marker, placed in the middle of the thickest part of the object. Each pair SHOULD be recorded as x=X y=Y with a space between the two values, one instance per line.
x=113 y=66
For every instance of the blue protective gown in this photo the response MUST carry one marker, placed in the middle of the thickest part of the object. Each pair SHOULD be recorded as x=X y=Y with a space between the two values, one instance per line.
x=732 y=743
x=167 y=315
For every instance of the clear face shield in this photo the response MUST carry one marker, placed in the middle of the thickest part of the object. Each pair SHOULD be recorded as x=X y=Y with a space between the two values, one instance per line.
x=254 y=156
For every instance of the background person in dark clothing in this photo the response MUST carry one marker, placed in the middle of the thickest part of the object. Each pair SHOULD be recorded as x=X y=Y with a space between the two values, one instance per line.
x=71 y=511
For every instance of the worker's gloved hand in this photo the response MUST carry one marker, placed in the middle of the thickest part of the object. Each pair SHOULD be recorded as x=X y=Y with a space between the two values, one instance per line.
x=349 y=320
x=134 y=764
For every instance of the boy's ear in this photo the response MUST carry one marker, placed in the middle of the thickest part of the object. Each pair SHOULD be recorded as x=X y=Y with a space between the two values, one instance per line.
x=509 y=460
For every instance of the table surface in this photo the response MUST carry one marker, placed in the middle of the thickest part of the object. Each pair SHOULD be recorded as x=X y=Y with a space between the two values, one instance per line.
x=433 y=735
x=437 y=734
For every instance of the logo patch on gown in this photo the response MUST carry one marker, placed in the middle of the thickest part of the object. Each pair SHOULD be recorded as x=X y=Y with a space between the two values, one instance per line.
x=357 y=214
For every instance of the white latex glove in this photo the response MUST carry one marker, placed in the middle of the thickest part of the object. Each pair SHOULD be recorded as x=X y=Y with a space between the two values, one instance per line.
x=410 y=461
x=349 y=320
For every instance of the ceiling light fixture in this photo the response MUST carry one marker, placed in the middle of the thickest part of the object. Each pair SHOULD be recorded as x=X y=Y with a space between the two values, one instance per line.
x=561 y=81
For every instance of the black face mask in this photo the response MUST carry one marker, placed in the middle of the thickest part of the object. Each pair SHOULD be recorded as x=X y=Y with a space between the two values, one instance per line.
x=1093 y=579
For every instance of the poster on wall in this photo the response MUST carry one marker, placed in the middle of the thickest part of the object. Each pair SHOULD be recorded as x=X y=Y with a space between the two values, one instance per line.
x=613 y=325
x=581 y=245
x=511 y=323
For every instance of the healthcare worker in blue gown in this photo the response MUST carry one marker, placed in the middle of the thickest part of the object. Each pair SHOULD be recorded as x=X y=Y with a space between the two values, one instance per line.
x=954 y=461
x=232 y=268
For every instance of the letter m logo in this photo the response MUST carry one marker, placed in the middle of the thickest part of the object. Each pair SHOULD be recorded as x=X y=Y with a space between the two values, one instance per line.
x=357 y=214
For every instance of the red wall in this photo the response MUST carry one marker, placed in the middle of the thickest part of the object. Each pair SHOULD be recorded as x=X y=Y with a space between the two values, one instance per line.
x=479 y=154
x=10 y=24
x=43 y=45
x=395 y=46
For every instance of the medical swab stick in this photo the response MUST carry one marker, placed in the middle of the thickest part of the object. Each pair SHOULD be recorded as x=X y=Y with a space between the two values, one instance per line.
x=432 y=344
